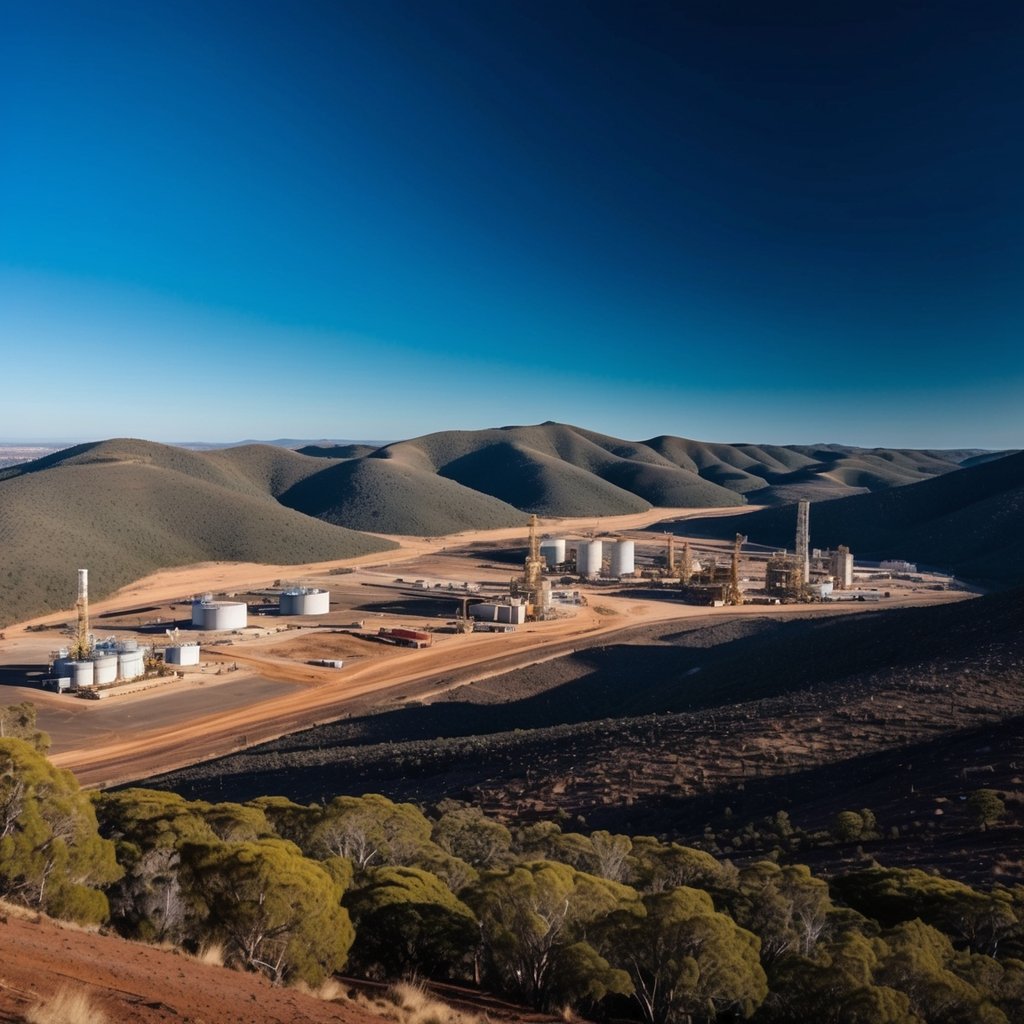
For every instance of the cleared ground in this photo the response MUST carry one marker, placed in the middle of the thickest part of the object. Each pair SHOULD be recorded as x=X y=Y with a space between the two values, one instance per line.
x=266 y=689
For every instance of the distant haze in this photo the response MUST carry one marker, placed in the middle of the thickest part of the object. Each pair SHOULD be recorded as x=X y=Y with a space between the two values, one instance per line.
x=763 y=223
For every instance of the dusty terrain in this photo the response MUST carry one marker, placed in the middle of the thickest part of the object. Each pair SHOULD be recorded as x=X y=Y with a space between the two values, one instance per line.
x=132 y=982
x=257 y=687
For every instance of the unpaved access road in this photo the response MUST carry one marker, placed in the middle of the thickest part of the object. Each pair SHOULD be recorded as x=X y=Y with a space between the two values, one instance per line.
x=262 y=695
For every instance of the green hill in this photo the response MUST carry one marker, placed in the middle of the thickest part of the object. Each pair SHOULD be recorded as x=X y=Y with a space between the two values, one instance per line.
x=127 y=508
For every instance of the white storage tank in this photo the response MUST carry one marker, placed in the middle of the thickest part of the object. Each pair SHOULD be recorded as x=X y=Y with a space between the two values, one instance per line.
x=553 y=551
x=104 y=669
x=589 y=554
x=304 y=601
x=130 y=663
x=79 y=672
x=623 y=558
x=220 y=615
x=182 y=654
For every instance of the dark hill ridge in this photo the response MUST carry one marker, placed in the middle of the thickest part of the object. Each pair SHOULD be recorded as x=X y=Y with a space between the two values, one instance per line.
x=970 y=522
x=560 y=470
x=127 y=508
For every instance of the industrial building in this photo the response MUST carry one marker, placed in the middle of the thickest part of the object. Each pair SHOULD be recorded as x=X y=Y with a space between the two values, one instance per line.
x=219 y=615
x=511 y=614
x=181 y=654
x=304 y=601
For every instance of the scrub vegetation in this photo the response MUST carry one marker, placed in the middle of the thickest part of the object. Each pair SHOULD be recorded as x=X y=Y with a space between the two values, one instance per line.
x=611 y=925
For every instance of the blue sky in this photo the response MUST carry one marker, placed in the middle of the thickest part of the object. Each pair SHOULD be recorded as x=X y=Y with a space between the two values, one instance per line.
x=778 y=223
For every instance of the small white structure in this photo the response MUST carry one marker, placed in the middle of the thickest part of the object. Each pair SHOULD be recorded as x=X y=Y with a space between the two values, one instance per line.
x=897 y=565
x=104 y=669
x=219 y=615
x=181 y=654
x=589 y=554
x=552 y=551
x=511 y=614
x=305 y=601
x=623 y=559
x=822 y=591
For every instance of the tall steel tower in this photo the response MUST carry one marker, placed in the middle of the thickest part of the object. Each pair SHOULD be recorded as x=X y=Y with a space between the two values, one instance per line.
x=803 y=538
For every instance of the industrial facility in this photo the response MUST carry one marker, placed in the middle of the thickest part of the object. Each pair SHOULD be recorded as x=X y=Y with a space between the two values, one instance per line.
x=89 y=663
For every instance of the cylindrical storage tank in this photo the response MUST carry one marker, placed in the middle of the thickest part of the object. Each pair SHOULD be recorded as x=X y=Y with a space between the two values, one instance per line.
x=183 y=654
x=623 y=558
x=128 y=645
x=226 y=615
x=552 y=551
x=588 y=557
x=305 y=602
x=104 y=669
x=220 y=615
x=130 y=664
x=81 y=673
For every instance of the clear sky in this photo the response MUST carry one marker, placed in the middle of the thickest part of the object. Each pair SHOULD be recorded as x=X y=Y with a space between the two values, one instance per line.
x=730 y=221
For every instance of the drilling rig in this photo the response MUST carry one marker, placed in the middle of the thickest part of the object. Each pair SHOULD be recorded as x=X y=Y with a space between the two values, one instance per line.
x=82 y=646
x=734 y=595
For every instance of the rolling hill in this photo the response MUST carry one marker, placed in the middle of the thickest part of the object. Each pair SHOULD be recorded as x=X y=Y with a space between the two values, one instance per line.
x=970 y=522
x=559 y=470
x=126 y=508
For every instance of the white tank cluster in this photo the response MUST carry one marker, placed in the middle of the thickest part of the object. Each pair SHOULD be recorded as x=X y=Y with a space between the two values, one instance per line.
x=111 y=661
x=552 y=550
x=219 y=615
x=305 y=601
x=623 y=559
x=181 y=654
x=589 y=555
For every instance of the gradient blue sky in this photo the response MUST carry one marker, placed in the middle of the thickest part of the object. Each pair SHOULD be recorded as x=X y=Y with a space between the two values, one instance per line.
x=741 y=222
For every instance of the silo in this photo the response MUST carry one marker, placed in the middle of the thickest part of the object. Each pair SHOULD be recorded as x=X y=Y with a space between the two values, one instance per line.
x=622 y=558
x=104 y=669
x=553 y=551
x=588 y=558
x=81 y=673
x=303 y=601
x=130 y=662
x=227 y=615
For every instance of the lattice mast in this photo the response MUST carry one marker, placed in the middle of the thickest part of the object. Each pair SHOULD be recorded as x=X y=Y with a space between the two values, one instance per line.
x=803 y=539
x=82 y=645
x=533 y=569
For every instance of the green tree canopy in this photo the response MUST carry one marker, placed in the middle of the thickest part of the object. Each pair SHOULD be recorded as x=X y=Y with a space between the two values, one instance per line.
x=408 y=921
x=687 y=962
x=534 y=920
x=51 y=853
x=276 y=911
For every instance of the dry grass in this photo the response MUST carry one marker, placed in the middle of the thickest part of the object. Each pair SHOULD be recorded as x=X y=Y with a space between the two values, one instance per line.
x=404 y=1002
x=66 y=1006
x=213 y=955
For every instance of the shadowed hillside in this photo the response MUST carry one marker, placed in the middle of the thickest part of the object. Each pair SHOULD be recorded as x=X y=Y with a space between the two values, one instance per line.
x=127 y=508
x=670 y=722
x=970 y=522
x=390 y=497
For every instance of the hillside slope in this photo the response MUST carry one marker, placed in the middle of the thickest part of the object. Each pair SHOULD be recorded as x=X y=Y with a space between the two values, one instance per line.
x=125 y=509
x=970 y=522
x=391 y=497
x=560 y=470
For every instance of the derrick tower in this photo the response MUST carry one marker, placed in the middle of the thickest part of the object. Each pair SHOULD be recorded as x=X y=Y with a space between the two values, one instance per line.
x=82 y=645
x=533 y=568
x=803 y=539
x=734 y=595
